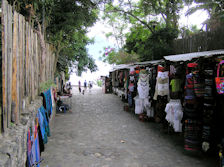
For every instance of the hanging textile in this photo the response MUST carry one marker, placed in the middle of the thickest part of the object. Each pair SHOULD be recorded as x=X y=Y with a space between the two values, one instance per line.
x=43 y=126
x=174 y=114
x=142 y=100
x=47 y=95
x=143 y=85
x=46 y=120
x=162 y=85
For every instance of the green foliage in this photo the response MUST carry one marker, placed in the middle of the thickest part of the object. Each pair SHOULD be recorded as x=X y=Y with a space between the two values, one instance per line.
x=120 y=57
x=153 y=25
x=99 y=83
x=150 y=46
x=46 y=85
x=65 y=26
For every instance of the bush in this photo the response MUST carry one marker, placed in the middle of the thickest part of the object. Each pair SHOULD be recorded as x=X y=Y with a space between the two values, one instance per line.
x=46 y=85
x=99 y=83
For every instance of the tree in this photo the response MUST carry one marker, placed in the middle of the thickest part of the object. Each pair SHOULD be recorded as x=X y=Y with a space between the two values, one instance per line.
x=120 y=57
x=150 y=46
x=153 y=25
x=64 y=24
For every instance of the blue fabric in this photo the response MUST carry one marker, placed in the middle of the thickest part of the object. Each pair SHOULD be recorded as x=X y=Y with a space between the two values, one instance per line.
x=48 y=101
x=42 y=124
x=46 y=124
x=37 y=151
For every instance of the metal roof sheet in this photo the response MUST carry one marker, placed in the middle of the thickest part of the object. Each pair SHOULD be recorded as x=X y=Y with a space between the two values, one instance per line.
x=190 y=56
x=121 y=66
x=128 y=66
x=149 y=62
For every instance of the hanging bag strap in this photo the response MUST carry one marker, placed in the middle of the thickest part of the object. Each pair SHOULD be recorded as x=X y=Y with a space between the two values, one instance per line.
x=221 y=62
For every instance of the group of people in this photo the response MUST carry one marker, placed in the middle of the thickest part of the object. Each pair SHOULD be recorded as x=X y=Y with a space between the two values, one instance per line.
x=85 y=87
x=67 y=89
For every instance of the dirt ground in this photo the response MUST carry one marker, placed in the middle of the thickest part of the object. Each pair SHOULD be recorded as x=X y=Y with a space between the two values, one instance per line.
x=98 y=133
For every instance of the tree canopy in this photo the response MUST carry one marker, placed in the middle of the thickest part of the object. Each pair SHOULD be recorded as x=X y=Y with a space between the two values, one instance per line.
x=143 y=29
x=150 y=26
x=64 y=24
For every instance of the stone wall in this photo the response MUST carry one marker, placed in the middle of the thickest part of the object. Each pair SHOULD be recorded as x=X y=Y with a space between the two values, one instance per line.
x=13 y=145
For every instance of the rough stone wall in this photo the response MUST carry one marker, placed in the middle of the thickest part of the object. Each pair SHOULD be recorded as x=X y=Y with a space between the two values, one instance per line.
x=13 y=145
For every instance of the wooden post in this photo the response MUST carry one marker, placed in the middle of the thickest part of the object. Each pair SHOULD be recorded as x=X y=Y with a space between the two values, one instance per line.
x=4 y=63
x=27 y=60
x=15 y=79
x=21 y=63
x=9 y=61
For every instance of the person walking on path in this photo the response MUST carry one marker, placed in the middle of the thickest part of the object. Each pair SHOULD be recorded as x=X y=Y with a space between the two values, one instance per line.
x=80 y=90
x=85 y=86
x=90 y=86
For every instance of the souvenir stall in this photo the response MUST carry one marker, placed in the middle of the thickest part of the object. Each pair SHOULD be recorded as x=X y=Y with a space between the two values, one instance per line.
x=145 y=78
x=194 y=106
x=119 y=80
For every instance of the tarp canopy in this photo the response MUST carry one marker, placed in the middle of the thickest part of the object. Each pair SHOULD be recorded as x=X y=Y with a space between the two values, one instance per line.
x=190 y=56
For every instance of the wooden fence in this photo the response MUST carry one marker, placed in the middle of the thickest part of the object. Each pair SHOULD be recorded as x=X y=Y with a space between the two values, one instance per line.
x=204 y=41
x=22 y=69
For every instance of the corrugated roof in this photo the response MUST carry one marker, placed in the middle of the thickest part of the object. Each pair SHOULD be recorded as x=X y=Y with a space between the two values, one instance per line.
x=149 y=62
x=190 y=56
x=128 y=66
x=121 y=66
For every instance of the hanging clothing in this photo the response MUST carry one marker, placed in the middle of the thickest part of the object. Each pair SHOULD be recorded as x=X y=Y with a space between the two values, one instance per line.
x=138 y=105
x=174 y=114
x=162 y=85
x=175 y=85
x=172 y=70
x=143 y=84
x=142 y=105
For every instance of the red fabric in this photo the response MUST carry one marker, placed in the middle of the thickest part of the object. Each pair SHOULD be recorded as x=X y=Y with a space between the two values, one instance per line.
x=192 y=65
x=137 y=70
x=160 y=68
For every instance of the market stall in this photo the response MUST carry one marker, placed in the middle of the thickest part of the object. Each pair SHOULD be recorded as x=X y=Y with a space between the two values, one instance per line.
x=200 y=100
x=182 y=92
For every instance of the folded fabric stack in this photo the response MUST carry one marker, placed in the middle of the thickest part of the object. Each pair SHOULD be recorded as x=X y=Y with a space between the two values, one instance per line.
x=208 y=112
x=192 y=135
x=194 y=91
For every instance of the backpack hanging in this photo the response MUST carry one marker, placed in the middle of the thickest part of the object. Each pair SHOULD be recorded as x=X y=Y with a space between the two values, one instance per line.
x=219 y=80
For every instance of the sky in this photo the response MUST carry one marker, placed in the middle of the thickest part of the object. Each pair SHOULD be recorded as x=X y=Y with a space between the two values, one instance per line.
x=100 y=28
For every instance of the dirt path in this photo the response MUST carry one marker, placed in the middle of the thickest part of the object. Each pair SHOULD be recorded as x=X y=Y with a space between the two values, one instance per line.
x=98 y=133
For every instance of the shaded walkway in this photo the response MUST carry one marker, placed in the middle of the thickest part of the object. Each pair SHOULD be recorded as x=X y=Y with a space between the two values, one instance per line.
x=98 y=133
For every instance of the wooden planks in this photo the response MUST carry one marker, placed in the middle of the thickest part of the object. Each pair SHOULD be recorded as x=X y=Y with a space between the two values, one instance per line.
x=22 y=64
